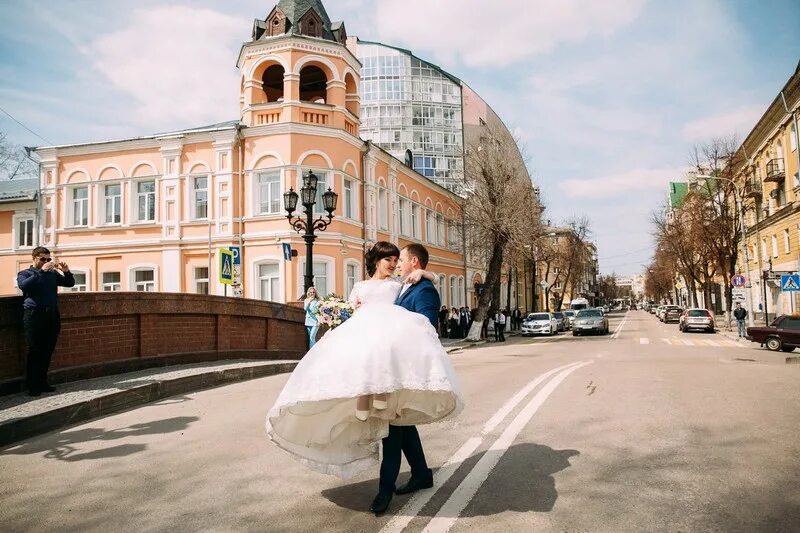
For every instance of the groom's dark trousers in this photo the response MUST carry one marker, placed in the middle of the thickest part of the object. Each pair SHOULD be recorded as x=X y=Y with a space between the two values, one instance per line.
x=420 y=298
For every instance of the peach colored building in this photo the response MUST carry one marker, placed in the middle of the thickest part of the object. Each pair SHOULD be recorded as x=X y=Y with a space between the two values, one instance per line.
x=151 y=213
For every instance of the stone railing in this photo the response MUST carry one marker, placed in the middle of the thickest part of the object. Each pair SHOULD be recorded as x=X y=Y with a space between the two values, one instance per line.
x=108 y=333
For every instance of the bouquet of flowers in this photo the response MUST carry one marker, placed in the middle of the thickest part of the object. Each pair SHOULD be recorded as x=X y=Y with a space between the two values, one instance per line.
x=333 y=311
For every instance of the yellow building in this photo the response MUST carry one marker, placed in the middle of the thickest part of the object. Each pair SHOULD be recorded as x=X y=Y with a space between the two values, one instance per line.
x=151 y=213
x=769 y=178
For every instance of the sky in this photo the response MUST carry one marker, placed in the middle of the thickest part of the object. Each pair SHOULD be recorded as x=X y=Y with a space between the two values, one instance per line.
x=608 y=97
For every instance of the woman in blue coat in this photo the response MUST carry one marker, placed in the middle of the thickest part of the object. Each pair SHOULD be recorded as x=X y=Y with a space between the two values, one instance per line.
x=311 y=304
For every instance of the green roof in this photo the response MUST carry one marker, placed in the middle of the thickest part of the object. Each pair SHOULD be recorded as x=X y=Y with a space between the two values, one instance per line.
x=677 y=192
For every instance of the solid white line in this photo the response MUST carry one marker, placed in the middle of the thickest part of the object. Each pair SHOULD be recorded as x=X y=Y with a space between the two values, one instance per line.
x=418 y=501
x=448 y=514
x=687 y=343
x=619 y=328
x=644 y=340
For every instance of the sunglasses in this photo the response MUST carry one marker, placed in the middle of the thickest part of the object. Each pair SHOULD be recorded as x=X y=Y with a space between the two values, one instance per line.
x=45 y=259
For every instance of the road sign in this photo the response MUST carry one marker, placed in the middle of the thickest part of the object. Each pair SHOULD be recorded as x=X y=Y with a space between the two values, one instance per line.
x=237 y=258
x=543 y=284
x=790 y=282
x=739 y=294
x=287 y=251
x=225 y=266
x=738 y=281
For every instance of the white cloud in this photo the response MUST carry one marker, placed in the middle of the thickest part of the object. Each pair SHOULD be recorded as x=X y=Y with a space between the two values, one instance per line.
x=625 y=184
x=736 y=121
x=502 y=32
x=175 y=62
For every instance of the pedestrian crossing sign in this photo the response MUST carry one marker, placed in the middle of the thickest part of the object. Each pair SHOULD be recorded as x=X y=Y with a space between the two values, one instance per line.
x=790 y=282
x=225 y=266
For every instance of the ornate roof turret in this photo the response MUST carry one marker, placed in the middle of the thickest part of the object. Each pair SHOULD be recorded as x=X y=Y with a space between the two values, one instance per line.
x=299 y=17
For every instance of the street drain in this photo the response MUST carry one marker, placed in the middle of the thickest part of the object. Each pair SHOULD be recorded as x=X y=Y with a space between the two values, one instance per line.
x=743 y=359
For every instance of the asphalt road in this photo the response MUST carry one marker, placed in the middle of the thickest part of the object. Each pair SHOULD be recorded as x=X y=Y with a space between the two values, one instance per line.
x=645 y=430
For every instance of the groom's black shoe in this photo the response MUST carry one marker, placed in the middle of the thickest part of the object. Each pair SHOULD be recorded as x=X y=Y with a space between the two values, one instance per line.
x=414 y=485
x=380 y=503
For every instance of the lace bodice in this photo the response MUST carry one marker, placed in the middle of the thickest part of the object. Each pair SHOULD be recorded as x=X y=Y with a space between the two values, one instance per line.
x=376 y=291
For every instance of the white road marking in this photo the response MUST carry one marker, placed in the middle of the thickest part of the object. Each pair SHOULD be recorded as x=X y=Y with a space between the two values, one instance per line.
x=725 y=361
x=418 y=501
x=666 y=340
x=448 y=514
x=687 y=342
x=644 y=341
x=712 y=343
x=619 y=328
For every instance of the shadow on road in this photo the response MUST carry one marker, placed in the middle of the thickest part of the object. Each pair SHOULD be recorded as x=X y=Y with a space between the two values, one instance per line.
x=522 y=481
x=64 y=445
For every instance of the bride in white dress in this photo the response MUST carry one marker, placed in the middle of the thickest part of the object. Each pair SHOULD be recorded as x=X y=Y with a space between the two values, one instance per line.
x=383 y=350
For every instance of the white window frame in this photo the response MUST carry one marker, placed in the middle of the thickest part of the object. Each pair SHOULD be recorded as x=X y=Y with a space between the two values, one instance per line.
x=325 y=181
x=774 y=246
x=71 y=204
x=259 y=190
x=787 y=245
x=193 y=195
x=454 y=293
x=402 y=215
x=15 y=222
x=206 y=280
x=136 y=195
x=440 y=229
x=133 y=269
x=441 y=282
x=383 y=208
x=87 y=281
x=358 y=275
x=349 y=198
x=330 y=275
x=279 y=277
x=416 y=221
x=430 y=226
x=102 y=190
x=104 y=284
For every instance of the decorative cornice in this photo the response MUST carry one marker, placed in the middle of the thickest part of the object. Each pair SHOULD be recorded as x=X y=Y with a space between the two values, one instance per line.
x=296 y=42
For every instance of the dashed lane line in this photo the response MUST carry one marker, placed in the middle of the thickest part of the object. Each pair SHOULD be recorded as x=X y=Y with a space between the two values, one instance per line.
x=452 y=508
x=418 y=501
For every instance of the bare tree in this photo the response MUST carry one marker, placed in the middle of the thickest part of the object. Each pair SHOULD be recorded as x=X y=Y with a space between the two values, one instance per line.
x=501 y=210
x=14 y=163
x=574 y=257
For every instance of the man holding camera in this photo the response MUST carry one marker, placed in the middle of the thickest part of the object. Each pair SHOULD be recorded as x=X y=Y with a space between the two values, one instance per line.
x=39 y=285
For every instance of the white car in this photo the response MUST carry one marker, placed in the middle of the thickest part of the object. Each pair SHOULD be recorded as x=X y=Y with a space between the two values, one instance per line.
x=570 y=314
x=539 y=324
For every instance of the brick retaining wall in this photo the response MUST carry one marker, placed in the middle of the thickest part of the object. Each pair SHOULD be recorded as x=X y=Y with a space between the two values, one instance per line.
x=107 y=333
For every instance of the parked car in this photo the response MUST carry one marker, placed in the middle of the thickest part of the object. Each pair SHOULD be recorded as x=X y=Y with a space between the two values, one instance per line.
x=590 y=321
x=662 y=313
x=561 y=320
x=570 y=316
x=660 y=309
x=696 y=319
x=653 y=309
x=782 y=335
x=539 y=323
x=672 y=314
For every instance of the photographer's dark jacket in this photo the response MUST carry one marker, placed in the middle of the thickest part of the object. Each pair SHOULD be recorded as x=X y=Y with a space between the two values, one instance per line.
x=740 y=313
x=40 y=288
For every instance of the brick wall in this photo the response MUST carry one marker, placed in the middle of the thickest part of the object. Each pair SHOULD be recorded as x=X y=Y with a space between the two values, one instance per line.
x=106 y=333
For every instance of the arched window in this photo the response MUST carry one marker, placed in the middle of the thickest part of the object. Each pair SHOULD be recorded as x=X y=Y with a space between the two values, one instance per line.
x=313 y=84
x=351 y=94
x=272 y=82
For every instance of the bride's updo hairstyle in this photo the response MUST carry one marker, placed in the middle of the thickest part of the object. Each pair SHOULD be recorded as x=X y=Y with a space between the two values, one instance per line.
x=380 y=250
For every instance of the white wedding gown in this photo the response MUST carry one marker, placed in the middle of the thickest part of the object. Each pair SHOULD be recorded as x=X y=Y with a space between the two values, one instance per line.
x=382 y=348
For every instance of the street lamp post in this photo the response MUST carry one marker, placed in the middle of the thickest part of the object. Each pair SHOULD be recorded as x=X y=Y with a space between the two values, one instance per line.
x=308 y=197
x=743 y=229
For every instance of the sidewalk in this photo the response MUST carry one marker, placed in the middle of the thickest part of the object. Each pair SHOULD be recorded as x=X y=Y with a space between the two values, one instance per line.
x=22 y=416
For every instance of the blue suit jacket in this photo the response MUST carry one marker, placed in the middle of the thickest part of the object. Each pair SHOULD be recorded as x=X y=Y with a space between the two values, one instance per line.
x=422 y=298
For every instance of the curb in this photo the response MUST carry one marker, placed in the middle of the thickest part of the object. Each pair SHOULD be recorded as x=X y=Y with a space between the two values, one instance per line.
x=15 y=430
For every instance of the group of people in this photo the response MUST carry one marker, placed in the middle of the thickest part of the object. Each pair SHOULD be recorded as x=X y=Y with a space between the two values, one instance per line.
x=455 y=323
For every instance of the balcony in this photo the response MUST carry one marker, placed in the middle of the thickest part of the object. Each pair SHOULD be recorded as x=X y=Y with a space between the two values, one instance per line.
x=775 y=170
x=753 y=188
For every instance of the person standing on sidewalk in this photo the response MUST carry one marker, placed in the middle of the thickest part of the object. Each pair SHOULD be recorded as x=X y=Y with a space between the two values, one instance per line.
x=740 y=314
x=39 y=285
x=499 y=326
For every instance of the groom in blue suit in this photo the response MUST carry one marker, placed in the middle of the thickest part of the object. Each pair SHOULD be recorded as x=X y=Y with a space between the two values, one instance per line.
x=424 y=299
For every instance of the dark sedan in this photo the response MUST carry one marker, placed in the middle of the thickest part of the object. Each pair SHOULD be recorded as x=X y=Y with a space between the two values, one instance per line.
x=782 y=335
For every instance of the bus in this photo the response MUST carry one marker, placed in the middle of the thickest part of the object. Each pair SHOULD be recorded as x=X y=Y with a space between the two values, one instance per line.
x=579 y=303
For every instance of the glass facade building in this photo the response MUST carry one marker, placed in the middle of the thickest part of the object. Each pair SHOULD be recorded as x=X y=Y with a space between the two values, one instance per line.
x=408 y=104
